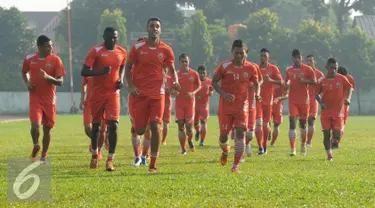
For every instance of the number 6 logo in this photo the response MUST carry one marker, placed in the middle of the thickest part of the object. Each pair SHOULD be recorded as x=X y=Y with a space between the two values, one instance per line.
x=22 y=178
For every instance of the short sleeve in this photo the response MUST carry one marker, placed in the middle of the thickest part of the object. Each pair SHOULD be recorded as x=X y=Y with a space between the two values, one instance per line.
x=346 y=84
x=59 y=68
x=219 y=71
x=255 y=74
x=124 y=59
x=310 y=73
x=276 y=75
x=169 y=58
x=25 y=66
x=91 y=57
x=258 y=73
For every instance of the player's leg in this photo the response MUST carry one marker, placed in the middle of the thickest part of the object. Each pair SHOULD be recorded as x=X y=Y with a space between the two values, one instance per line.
x=250 y=130
x=165 y=132
x=226 y=123
x=303 y=114
x=196 y=123
x=87 y=119
x=97 y=112
x=337 y=128
x=259 y=127
x=327 y=126
x=293 y=112
x=112 y=116
x=102 y=137
x=267 y=110
x=346 y=115
x=240 y=122
x=36 y=115
x=182 y=135
x=166 y=119
x=203 y=127
x=146 y=142
x=48 y=121
x=277 y=120
x=189 y=120
x=156 y=113
x=313 y=112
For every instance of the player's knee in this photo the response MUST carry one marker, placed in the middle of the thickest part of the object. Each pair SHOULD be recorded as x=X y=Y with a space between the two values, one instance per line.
x=112 y=126
x=46 y=129
x=196 y=124
x=223 y=138
x=154 y=127
x=259 y=123
x=35 y=126
x=240 y=133
x=95 y=127
x=302 y=124
x=203 y=123
x=189 y=130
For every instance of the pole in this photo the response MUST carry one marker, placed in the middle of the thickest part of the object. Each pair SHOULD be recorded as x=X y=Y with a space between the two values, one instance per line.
x=70 y=57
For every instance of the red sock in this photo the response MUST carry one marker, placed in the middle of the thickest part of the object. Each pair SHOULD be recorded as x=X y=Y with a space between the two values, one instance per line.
x=182 y=139
x=203 y=132
x=259 y=136
x=275 y=134
x=266 y=132
x=154 y=156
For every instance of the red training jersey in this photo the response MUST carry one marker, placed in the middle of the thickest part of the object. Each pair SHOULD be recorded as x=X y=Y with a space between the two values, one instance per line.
x=267 y=88
x=189 y=81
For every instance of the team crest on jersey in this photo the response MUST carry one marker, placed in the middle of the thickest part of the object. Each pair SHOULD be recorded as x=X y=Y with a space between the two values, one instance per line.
x=160 y=55
x=302 y=74
x=191 y=79
x=119 y=57
x=245 y=74
x=338 y=85
x=48 y=66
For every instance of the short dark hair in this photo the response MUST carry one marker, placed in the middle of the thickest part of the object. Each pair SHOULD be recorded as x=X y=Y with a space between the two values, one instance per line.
x=331 y=61
x=264 y=50
x=183 y=55
x=153 y=19
x=42 y=40
x=296 y=52
x=342 y=70
x=308 y=56
x=141 y=38
x=239 y=44
x=201 y=68
x=109 y=29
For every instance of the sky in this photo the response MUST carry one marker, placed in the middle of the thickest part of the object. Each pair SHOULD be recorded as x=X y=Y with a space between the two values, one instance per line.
x=48 y=5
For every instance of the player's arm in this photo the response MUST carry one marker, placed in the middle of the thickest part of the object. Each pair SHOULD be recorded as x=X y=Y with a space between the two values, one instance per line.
x=276 y=77
x=83 y=93
x=349 y=88
x=318 y=97
x=128 y=76
x=59 y=81
x=311 y=79
x=25 y=70
x=255 y=79
x=215 y=84
x=88 y=71
x=198 y=84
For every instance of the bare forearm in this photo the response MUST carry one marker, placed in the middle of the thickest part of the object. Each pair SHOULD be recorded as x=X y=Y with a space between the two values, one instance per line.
x=87 y=72
x=319 y=99
x=197 y=90
x=278 y=82
x=310 y=82
x=83 y=92
x=24 y=77
x=257 y=88
x=128 y=76
x=56 y=81
x=218 y=89
x=350 y=92
x=122 y=73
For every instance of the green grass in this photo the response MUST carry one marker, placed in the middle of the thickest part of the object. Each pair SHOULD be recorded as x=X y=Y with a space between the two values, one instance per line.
x=197 y=179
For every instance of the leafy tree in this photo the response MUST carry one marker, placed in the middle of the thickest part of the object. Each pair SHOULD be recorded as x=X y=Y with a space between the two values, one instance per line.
x=113 y=19
x=16 y=40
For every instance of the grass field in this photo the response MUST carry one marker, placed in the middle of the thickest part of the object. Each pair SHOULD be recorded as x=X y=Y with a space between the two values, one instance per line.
x=197 y=179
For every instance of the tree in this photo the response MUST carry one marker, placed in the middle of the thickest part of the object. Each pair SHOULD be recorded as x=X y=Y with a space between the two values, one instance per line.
x=317 y=8
x=344 y=7
x=195 y=39
x=232 y=11
x=316 y=39
x=221 y=46
x=16 y=40
x=116 y=20
x=357 y=53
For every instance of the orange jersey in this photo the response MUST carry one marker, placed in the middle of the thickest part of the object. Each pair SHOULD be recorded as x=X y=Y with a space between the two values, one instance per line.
x=204 y=93
x=236 y=81
x=333 y=93
x=267 y=88
x=45 y=91
x=351 y=81
x=252 y=88
x=148 y=73
x=299 y=93
x=89 y=82
x=318 y=75
x=98 y=58
x=189 y=82
x=279 y=91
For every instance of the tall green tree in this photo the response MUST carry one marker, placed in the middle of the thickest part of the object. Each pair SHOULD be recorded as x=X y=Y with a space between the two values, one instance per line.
x=232 y=11
x=116 y=20
x=195 y=39
x=356 y=52
x=16 y=40
x=316 y=39
x=221 y=46
x=318 y=8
